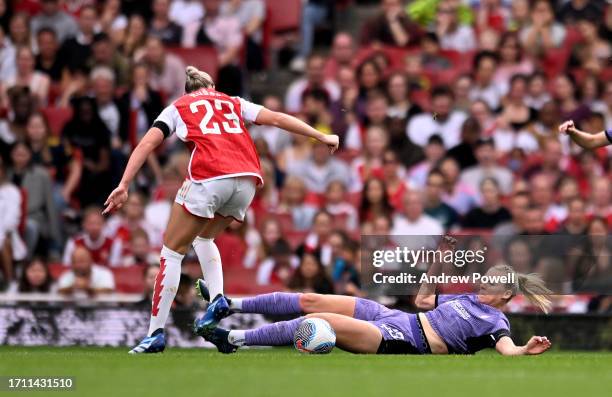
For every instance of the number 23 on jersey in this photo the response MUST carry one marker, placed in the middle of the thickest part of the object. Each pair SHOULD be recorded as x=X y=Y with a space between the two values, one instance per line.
x=229 y=120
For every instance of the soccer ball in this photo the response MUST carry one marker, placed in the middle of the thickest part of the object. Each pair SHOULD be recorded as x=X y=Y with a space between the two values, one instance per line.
x=315 y=336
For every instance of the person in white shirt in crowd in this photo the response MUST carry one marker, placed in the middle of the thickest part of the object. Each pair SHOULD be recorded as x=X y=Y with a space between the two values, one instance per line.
x=413 y=221
x=318 y=171
x=543 y=33
x=313 y=78
x=542 y=193
x=484 y=87
x=487 y=167
x=85 y=278
x=452 y=34
x=103 y=88
x=370 y=163
x=318 y=239
x=251 y=14
x=434 y=151
x=26 y=76
x=167 y=70
x=442 y=120
x=11 y=246
x=7 y=57
x=293 y=202
x=187 y=12
x=537 y=94
x=458 y=194
x=113 y=21
x=336 y=204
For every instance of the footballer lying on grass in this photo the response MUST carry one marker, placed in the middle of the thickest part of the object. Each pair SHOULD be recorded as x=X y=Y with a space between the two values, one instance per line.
x=462 y=324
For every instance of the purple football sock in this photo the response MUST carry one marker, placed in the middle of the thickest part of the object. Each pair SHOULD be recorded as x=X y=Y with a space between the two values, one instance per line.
x=274 y=303
x=276 y=334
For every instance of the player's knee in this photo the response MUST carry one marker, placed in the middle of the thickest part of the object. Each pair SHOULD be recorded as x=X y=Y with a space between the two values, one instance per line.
x=309 y=302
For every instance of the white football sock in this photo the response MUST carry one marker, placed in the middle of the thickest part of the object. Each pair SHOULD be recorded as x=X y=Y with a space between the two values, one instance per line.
x=166 y=285
x=236 y=304
x=237 y=337
x=210 y=261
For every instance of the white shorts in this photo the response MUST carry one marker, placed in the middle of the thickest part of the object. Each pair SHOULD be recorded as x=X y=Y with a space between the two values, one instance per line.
x=226 y=197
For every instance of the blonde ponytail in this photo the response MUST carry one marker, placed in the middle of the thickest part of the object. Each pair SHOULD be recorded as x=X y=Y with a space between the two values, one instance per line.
x=197 y=79
x=533 y=287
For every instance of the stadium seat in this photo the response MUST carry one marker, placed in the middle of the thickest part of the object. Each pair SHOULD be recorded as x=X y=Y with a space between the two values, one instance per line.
x=232 y=250
x=129 y=279
x=204 y=58
x=57 y=118
x=283 y=16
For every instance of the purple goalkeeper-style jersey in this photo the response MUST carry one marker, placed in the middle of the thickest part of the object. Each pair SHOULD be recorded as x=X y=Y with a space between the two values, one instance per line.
x=465 y=324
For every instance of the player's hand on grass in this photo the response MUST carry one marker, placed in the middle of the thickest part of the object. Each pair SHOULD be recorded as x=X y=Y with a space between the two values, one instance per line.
x=333 y=141
x=116 y=199
x=537 y=345
x=567 y=126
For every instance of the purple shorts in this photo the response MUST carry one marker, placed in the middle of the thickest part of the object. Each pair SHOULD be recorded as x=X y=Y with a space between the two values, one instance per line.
x=401 y=331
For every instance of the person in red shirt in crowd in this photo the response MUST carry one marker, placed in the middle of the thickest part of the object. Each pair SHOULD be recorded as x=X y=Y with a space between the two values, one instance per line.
x=93 y=239
x=224 y=172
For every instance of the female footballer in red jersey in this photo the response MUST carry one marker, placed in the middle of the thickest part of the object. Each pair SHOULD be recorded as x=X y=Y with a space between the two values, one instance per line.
x=222 y=177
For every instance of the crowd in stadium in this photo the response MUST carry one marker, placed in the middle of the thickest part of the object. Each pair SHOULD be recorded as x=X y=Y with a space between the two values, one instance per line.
x=447 y=110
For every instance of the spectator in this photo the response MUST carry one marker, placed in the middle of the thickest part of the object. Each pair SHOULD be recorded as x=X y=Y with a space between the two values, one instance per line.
x=342 y=55
x=49 y=59
x=11 y=246
x=141 y=99
x=314 y=13
x=394 y=176
x=104 y=53
x=600 y=204
x=434 y=151
x=573 y=11
x=277 y=268
x=511 y=60
x=461 y=91
x=77 y=49
x=293 y=202
x=21 y=106
x=314 y=78
x=42 y=225
x=374 y=200
x=541 y=189
x=463 y=153
x=102 y=249
x=161 y=26
x=20 y=32
x=592 y=53
x=412 y=221
x=186 y=12
x=513 y=126
x=442 y=120
x=543 y=33
x=398 y=92
x=537 y=95
x=85 y=277
x=27 y=76
x=345 y=273
x=491 y=213
x=251 y=14
x=492 y=14
x=63 y=163
x=310 y=276
x=132 y=219
x=487 y=168
x=485 y=88
x=434 y=206
x=315 y=105
x=167 y=70
x=452 y=34
x=370 y=163
x=135 y=40
x=481 y=111
x=519 y=202
x=432 y=58
x=149 y=276
x=53 y=17
x=113 y=22
x=7 y=56
x=391 y=27
x=35 y=278
x=317 y=241
x=375 y=116
x=318 y=171
x=88 y=133
x=6 y=10
x=223 y=31
x=103 y=84
x=337 y=206
x=576 y=222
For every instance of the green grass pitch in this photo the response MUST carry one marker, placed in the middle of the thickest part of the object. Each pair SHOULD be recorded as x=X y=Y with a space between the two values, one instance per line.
x=285 y=372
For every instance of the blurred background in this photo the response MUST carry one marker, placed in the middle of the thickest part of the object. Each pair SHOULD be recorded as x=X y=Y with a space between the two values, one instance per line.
x=447 y=112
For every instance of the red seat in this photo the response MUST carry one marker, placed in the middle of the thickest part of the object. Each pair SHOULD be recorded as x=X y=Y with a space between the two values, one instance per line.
x=204 y=58
x=57 y=118
x=232 y=250
x=56 y=270
x=129 y=279
x=283 y=16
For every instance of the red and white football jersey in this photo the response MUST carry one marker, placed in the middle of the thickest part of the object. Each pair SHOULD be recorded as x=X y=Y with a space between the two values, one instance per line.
x=213 y=124
x=102 y=250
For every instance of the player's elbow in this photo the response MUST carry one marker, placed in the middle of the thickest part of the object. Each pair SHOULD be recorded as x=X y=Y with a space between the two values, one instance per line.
x=425 y=302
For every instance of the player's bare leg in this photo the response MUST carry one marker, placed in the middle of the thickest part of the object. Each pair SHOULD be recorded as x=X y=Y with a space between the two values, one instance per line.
x=182 y=229
x=355 y=336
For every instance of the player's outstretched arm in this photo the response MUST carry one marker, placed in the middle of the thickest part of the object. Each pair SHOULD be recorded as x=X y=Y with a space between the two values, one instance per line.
x=535 y=345
x=585 y=139
x=296 y=126
x=152 y=139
